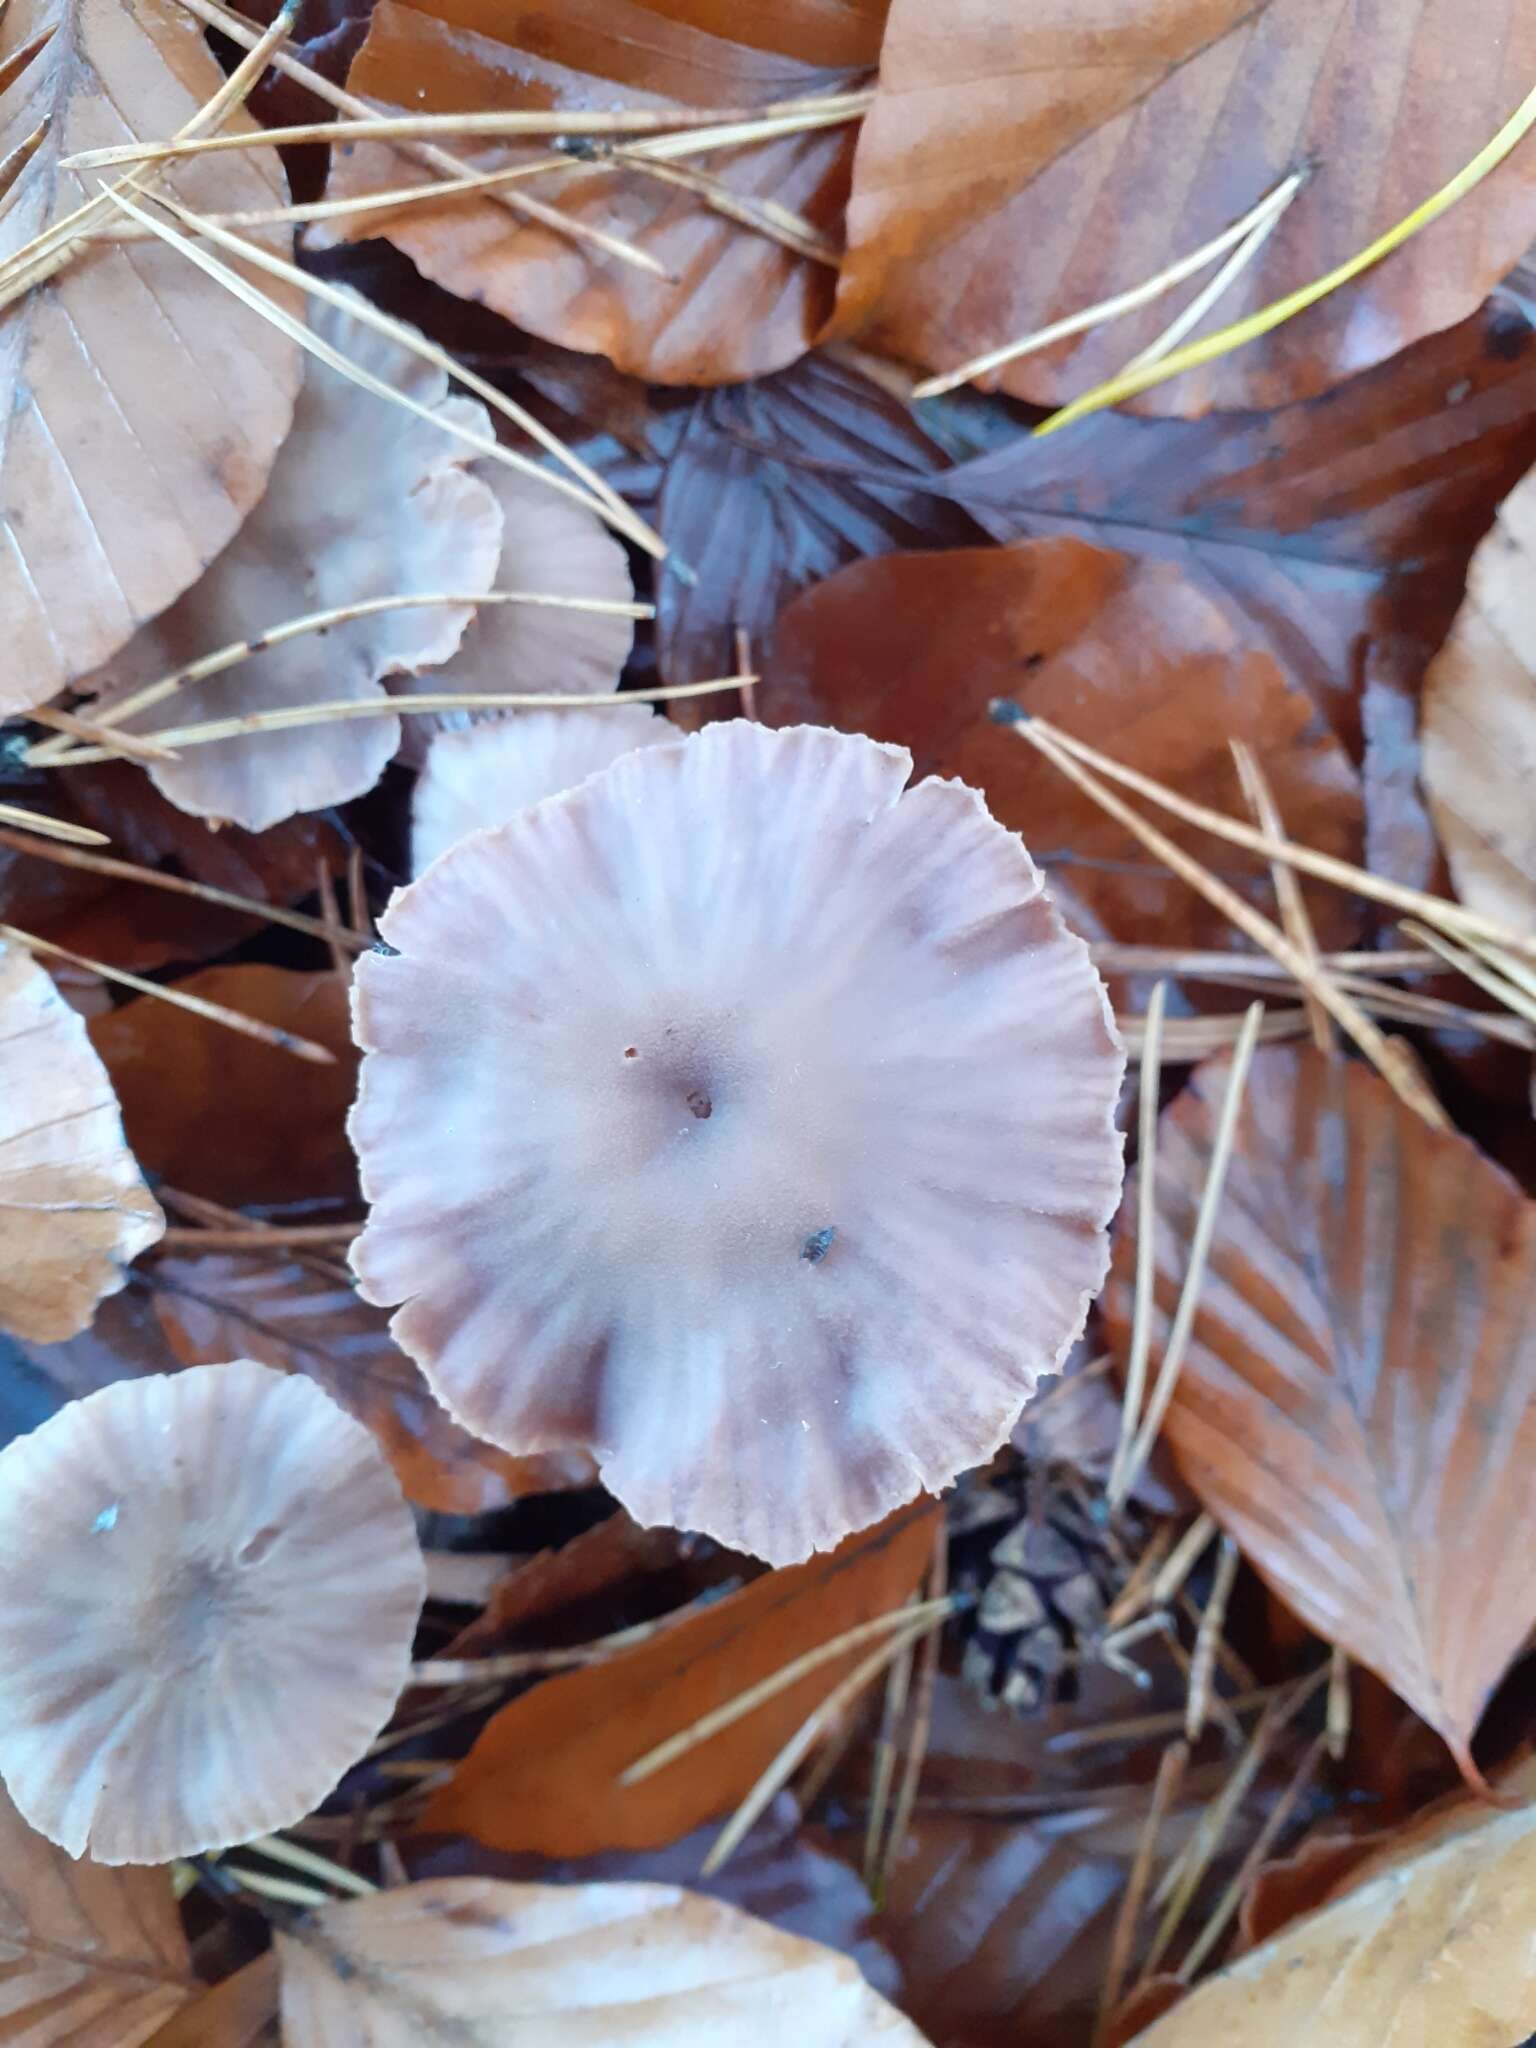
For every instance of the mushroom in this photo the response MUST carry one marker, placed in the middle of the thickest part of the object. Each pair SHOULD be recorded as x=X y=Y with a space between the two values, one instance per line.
x=209 y=1585
x=487 y=774
x=744 y=1120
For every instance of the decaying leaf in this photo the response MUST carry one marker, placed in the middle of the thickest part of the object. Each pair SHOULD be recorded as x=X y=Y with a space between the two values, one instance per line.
x=1434 y=1949
x=239 y=2013
x=1017 y=167
x=1479 y=715
x=297 y=1318
x=733 y=302
x=74 y=1209
x=1358 y=1404
x=540 y=1966
x=1126 y=653
x=89 y=1957
x=140 y=405
x=366 y=500
x=261 y=1127
x=544 y=1776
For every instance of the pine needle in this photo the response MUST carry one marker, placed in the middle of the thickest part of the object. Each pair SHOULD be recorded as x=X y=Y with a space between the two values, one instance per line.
x=214 y=1013
x=1207 y=1637
x=1210 y=294
x=121 y=746
x=1504 y=988
x=278 y=1849
x=1294 y=919
x=1149 y=1086
x=1170 y=1777
x=1230 y=1900
x=1130 y=382
x=922 y=1720
x=52 y=828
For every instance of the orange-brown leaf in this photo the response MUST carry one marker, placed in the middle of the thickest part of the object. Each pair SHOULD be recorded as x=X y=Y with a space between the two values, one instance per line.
x=1021 y=164
x=1358 y=1405
x=544 y=1775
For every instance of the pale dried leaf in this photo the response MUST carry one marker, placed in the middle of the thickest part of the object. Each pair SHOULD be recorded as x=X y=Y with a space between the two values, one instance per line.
x=140 y=405
x=89 y=1957
x=1479 y=723
x=366 y=500
x=1358 y=1404
x=74 y=1209
x=457 y=1959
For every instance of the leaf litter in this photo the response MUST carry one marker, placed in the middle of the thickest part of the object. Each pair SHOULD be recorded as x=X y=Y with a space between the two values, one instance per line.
x=446 y=603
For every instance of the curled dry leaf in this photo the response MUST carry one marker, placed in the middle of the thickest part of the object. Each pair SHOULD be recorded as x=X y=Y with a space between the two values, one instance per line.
x=733 y=302
x=192 y=1568
x=550 y=547
x=544 y=1776
x=74 y=1209
x=1129 y=654
x=485 y=776
x=92 y=1958
x=1358 y=1403
x=229 y=1118
x=1435 y=1948
x=1479 y=723
x=128 y=364
x=544 y=1966
x=780 y=1157
x=303 y=1318
x=1017 y=168
x=365 y=500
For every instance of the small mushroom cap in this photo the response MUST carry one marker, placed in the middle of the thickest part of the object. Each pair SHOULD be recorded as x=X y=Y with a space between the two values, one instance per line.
x=487 y=774
x=209 y=1585
x=744 y=1120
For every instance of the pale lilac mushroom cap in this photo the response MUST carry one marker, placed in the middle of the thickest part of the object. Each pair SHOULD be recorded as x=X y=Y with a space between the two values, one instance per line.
x=489 y=772
x=209 y=1585
x=745 y=1120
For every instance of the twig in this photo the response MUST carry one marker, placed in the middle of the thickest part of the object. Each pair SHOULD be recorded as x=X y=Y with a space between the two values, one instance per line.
x=1271 y=205
x=1200 y=1244
x=1212 y=1623
x=1170 y=1777
x=1294 y=920
x=214 y=1013
x=179 y=885
x=897 y=1620
x=1146 y=1212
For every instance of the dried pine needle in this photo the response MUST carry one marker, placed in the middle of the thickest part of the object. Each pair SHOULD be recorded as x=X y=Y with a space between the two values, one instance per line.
x=278 y=1849
x=1503 y=987
x=215 y=1013
x=1130 y=382
x=922 y=1720
x=1213 y=1621
x=1294 y=919
x=1216 y=289
x=1146 y=1198
x=1170 y=1777
x=122 y=746
x=45 y=827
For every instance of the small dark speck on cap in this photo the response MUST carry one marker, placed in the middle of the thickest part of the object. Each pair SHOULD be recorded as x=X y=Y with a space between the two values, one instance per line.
x=818 y=1244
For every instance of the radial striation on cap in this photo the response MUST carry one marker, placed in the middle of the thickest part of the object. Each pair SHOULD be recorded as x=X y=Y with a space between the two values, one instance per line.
x=209 y=1585
x=744 y=1120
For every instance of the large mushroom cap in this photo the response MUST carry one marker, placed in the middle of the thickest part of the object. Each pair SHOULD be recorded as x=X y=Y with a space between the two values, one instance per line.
x=209 y=1584
x=744 y=1120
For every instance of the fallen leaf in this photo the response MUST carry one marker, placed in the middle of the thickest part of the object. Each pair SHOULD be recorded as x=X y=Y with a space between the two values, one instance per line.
x=1358 y=1404
x=1480 y=723
x=538 y=1966
x=544 y=1775
x=365 y=500
x=93 y=1957
x=231 y=1119
x=770 y=488
x=1125 y=653
x=297 y=1319
x=1333 y=530
x=121 y=1341
x=1016 y=169
x=74 y=1209
x=140 y=405
x=613 y=1552
x=733 y=303
x=239 y=2013
x=1436 y=1948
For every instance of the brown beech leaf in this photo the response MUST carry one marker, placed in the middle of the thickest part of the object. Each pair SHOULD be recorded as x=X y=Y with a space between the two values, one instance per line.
x=74 y=1209
x=229 y=1118
x=1434 y=1948
x=1126 y=653
x=771 y=487
x=1019 y=166
x=610 y=1554
x=734 y=303
x=298 y=1319
x=1358 y=1404
x=140 y=404
x=366 y=500
x=1480 y=722
x=91 y=1957
x=544 y=1774
x=456 y=1959
x=239 y=2013
x=1336 y=529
